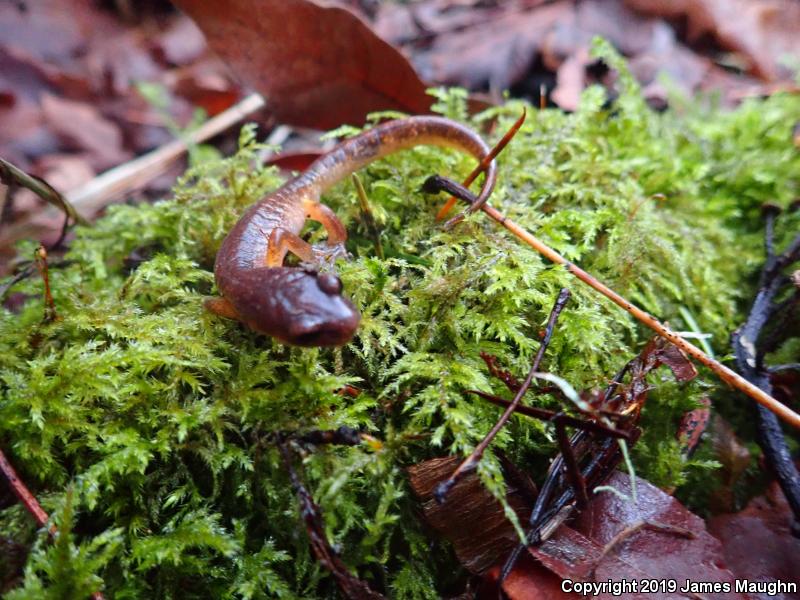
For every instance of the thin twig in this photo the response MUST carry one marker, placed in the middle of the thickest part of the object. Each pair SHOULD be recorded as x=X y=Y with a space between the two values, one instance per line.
x=351 y=586
x=471 y=462
x=548 y=415
x=23 y=273
x=50 y=313
x=13 y=175
x=498 y=148
x=112 y=184
x=31 y=504
x=369 y=219
x=604 y=451
x=437 y=183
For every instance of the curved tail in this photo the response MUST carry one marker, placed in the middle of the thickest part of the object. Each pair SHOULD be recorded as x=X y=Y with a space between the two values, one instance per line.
x=393 y=136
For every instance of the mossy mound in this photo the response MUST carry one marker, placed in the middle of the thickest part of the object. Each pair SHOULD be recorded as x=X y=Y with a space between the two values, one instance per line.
x=154 y=418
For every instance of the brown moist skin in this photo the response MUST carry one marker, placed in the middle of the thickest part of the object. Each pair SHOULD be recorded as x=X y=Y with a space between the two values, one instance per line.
x=301 y=306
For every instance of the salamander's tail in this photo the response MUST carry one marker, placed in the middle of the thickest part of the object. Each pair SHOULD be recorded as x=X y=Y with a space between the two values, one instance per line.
x=393 y=136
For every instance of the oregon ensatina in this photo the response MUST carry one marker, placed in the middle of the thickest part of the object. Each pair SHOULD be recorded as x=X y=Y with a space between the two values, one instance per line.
x=298 y=305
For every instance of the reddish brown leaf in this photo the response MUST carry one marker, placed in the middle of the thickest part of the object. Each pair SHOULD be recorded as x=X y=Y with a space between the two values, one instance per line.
x=763 y=31
x=470 y=518
x=528 y=581
x=734 y=457
x=318 y=66
x=757 y=542
x=677 y=361
x=617 y=539
x=692 y=426
x=293 y=161
x=82 y=128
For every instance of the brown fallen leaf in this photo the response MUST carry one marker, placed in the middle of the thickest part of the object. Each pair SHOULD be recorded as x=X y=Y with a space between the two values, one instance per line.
x=181 y=43
x=528 y=581
x=692 y=426
x=82 y=128
x=654 y=538
x=293 y=161
x=318 y=66
x=734 y=458
x=471 y=518
x=650 y=45
x=496 y=53
x=757 y=542
x=763 y=31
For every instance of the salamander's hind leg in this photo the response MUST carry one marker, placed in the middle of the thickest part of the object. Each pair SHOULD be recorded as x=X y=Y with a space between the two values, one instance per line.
x=317 y=211
x=337 y=234
x=282 y=241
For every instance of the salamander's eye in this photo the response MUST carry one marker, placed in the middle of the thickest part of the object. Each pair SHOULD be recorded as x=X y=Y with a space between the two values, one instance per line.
x=329 y=283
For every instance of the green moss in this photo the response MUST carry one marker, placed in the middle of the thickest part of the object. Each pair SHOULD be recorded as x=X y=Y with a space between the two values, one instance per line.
x=158 y=414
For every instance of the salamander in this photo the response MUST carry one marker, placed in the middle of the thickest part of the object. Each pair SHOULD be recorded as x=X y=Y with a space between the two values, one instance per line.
x=303 y=306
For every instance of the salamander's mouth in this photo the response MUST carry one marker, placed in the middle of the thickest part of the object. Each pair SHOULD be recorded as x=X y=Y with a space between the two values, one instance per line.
x=326 y=334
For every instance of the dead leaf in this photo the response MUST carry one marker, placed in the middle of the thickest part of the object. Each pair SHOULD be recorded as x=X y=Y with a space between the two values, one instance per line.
x=495 y=53
x=650 y=45
x=692 y=426
x=678 y=362
x=471 y=518
x=181 y=43
x=293 y=161
x=82 y=128
x=757 y=542
x=654 y=538
x=528 y=581
x=318 y=66
x=734 y=458
x=763 y=31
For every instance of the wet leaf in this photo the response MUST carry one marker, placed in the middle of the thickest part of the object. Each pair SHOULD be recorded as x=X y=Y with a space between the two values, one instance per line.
x=657 y=537
x=757 y=542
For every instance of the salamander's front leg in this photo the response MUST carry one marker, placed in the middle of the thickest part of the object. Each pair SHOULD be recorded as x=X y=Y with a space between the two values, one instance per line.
x=282 y=241
x=220 y=306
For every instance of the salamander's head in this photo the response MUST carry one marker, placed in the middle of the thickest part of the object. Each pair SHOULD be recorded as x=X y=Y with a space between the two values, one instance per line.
x=301 y=307
x=321 y=315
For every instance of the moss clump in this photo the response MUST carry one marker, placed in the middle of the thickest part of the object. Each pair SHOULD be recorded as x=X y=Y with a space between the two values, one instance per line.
x=156 y=416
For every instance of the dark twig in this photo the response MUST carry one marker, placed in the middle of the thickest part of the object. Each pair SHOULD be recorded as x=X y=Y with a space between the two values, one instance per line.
x=750 y=346
x=24 y=495
x=23 y=273
x=12 y=175
x=549 y=415
x=590 y=456
x=351 y=586
x=786 y=367
x=471 y=462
